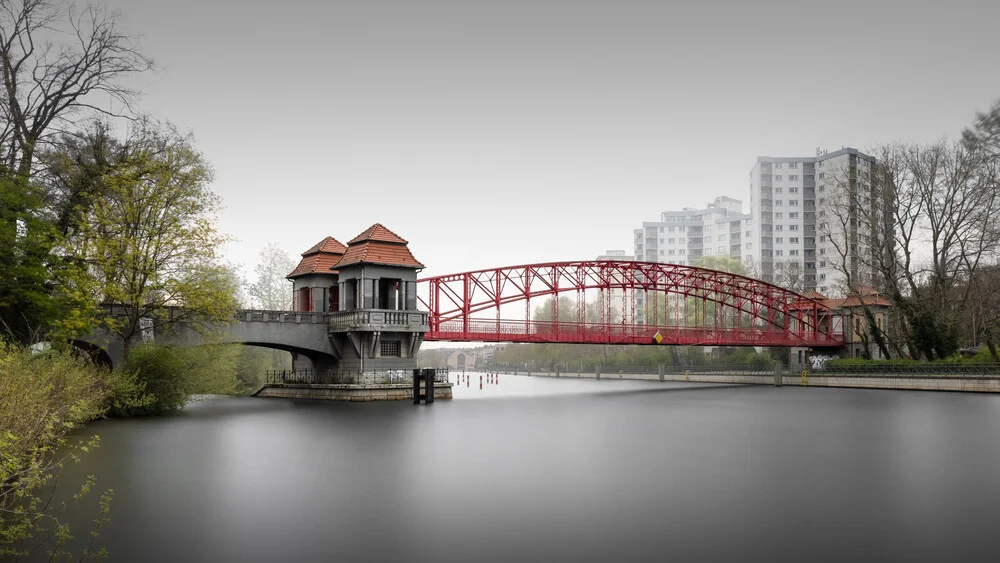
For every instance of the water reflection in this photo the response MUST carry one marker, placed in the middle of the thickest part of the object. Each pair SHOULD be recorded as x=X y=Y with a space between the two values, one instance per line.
x=559 y=469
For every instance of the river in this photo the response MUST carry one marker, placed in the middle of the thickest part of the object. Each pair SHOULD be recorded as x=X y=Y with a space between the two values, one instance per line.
x=545 y=469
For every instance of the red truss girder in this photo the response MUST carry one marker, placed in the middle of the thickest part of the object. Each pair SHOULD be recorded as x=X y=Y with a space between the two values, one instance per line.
x=744 y=311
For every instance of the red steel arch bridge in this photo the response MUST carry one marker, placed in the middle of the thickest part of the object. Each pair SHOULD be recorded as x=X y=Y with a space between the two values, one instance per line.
x=622 y=302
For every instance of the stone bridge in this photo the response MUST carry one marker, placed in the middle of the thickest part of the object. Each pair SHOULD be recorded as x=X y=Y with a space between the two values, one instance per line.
x=366 y=339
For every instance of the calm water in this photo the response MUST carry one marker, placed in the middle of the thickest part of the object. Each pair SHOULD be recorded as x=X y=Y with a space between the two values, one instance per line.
x=538 y=469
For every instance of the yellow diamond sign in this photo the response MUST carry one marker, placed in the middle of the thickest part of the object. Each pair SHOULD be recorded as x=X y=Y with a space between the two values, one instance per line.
x=658 y=337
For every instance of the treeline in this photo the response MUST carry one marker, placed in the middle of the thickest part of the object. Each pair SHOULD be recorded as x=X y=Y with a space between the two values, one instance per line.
x=99 y=204
x=922 y=227
x=588 y=357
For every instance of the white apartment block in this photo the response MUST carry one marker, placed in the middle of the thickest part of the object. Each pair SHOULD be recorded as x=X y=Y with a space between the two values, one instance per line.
x=683 y=237
x=803 y=231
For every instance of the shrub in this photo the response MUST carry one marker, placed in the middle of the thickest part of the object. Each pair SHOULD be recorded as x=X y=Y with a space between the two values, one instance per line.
x=43 y=397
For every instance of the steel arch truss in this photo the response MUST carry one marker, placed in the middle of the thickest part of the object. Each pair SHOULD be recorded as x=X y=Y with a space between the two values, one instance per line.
x=619 y=302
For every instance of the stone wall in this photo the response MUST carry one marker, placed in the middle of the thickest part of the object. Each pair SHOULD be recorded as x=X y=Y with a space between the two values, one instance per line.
x=402 y=392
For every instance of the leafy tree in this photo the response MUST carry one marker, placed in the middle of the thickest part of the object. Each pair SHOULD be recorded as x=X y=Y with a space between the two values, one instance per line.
x=151 y=243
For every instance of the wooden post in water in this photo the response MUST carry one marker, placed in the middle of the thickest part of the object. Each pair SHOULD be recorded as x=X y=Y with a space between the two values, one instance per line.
x=426 y=375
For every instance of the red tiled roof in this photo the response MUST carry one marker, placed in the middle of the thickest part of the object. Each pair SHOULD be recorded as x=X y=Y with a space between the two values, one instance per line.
x=378 y=233
x=320 y=258
x=329 y=244
x=378 y=245
x=815 y=295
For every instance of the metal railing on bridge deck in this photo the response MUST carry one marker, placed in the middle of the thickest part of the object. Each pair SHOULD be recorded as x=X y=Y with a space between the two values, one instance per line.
x=254 y=315
x=349 y=377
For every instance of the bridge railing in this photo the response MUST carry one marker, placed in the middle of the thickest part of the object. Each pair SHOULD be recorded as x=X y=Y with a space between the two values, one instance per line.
x=254 y=315
x=349 y=377
x=570 y=331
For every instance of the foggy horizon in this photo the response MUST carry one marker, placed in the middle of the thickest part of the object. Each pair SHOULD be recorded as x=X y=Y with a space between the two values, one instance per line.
x=489 y=134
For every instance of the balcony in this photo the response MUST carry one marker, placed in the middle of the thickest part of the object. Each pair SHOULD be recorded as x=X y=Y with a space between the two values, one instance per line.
x=378 y=320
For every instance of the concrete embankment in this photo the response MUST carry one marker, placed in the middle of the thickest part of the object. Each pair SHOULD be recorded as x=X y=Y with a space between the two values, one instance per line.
x=923 y=382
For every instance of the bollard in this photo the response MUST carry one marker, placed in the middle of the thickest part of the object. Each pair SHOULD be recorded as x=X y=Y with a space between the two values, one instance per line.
x=659 y=370
x=778 y=376
x=804 y=380
x=687 y=375
x=597 y=372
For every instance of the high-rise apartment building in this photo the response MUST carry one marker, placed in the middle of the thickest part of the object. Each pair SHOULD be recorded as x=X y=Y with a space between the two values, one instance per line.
x=683 y=237
x=807 y=228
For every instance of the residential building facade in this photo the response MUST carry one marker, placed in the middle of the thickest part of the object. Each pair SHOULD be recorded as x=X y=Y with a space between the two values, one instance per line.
x=815 y=218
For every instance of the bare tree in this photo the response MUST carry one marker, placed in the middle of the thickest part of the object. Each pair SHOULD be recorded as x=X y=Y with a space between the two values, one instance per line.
x=271 y=291
x=918 y=228
x=55 y=63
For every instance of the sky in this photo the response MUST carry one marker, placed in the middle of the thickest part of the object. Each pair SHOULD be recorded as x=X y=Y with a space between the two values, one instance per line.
x=494 y=133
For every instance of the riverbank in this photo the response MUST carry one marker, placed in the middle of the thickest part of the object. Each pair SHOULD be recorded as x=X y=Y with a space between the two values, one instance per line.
x=921 y=382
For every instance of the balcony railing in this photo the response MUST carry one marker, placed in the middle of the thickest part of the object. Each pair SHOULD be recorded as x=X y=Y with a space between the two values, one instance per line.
x=378 y=319
x=251 y=315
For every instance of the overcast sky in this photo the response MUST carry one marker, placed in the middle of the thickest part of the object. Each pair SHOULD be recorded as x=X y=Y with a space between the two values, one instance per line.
x=493 y=133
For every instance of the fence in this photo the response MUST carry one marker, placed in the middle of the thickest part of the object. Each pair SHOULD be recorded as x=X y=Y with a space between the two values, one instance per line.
x=348 y=377
x=915 y=370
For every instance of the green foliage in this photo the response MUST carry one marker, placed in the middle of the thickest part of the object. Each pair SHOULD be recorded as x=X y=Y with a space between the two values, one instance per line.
x=722 y=264
x=156 y=379
x=253 y=362
x=43 y=398
x=37 y=287
x=160 y=372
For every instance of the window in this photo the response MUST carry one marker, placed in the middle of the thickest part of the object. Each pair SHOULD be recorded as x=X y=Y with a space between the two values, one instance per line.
x=778 y=240
x=822 y=175
x=778 y=178
x=793 y=190
x=822 y=238
x=793 y=240
x=748 y=233
x=778 y=215
x=722 y=250
x=721 y=237
x=778 y=203
x=822 y=263
x=792 y=178
x=777 y=165
x=389 y=348
x=670 y=240
x=809 y=178
x=682 y=252
x=779 y=252
x=793 y=252
x=661 y=252
x=822 y=276
x=681 y=240
x=748 y=246
x=793 y=227
x=793 y=215
x=793 y=202
x=671 y=253
x=777 y=190
x=811 y=265
x=793 y=164
x=778 y=227
x=661 y=241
